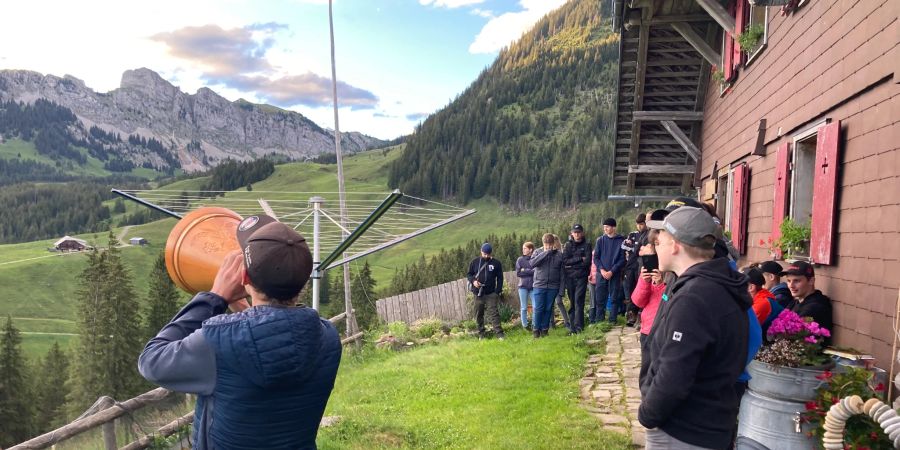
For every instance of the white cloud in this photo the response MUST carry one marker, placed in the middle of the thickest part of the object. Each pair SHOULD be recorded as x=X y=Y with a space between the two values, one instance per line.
x=449 y=3
x=501 y=30
x=486 y=13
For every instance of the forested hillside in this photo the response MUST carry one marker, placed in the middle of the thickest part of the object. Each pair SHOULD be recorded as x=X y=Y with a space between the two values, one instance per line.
x=534 y=129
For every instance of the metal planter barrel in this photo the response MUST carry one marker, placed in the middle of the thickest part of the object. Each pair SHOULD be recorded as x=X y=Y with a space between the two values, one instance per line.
x=770 y=409
x=785 y=383
x=768 y=423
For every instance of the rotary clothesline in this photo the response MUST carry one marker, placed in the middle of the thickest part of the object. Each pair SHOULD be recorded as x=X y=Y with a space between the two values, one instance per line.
x=409 y=217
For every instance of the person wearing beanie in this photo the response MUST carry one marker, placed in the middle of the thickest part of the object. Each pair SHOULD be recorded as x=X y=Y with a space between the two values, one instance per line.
x=262 y=375
x=486 y=282
x=610 y=260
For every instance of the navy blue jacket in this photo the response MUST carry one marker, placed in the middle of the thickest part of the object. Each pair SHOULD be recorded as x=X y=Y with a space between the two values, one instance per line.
x=488 y=272
x=608 y=254
x=262 y=376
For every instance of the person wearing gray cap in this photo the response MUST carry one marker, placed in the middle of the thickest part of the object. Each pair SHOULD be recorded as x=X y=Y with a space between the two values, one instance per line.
x=262 y=375
x=698 y=345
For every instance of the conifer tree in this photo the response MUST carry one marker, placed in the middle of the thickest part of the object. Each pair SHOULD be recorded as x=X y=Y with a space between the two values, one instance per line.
x=109 y=337
x=51 y=390
x=15 y=407
x=162 y=299
x=364 y=297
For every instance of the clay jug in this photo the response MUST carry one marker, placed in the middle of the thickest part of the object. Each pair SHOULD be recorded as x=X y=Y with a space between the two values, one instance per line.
x=197 y=246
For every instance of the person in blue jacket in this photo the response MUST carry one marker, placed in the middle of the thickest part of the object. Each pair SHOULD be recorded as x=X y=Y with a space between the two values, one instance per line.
x=610 y=260
x=263 y=375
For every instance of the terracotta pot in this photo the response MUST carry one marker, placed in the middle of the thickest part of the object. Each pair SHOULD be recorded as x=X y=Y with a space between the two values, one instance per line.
x=197 y=246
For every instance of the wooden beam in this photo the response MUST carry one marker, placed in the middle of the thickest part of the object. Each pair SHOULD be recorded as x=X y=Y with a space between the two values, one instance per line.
x=682 y=139
x=697 y=42
x=640 y=81
x=665 y=20
x=651 y=168
x=719 y=13
x=668 y=115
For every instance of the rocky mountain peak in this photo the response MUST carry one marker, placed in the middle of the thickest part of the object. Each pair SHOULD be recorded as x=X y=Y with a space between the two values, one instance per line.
x=198 y=130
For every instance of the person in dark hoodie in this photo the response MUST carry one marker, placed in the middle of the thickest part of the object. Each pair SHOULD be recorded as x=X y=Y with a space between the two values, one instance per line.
x=486 y=283
x=577 y=264
x=699 y=342
x=262 y=375
x=526 y=283
x=610 y=260
x=771 y=271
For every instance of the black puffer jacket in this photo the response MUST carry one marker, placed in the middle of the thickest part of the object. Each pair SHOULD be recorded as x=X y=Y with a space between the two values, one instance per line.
x=577 y=258
x=697 y=349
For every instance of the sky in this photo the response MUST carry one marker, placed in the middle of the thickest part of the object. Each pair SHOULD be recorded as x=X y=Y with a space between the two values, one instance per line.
x=397 y=60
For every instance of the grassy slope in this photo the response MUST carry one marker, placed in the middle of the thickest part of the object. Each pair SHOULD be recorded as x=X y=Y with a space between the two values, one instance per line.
x=14 y=148
x=467 y=394
x=47 y=282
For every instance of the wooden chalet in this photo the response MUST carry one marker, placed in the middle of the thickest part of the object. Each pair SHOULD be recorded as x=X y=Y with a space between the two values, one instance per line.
x=70 y=244
x=803 y=123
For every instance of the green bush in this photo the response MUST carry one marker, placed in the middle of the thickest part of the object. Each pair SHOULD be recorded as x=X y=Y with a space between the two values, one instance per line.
x=468 y=325
x=506 y=312
x=426 y=328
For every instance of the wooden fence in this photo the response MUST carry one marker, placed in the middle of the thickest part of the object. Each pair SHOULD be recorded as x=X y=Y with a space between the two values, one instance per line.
x=448 y=301
x=106 y=410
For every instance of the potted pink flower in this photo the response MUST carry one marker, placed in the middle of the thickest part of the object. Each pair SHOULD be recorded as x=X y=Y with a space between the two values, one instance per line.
x=788 y=367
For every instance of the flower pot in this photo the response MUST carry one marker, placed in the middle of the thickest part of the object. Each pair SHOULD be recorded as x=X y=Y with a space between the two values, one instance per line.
x=797 y=384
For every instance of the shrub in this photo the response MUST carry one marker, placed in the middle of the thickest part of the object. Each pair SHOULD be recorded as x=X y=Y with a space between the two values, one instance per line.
x=426 y=328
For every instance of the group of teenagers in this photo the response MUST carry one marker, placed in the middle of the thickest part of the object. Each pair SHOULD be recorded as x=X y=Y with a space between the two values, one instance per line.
x=701 y=319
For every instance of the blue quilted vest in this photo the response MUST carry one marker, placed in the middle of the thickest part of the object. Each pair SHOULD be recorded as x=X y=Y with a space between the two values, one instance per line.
x=275 y=368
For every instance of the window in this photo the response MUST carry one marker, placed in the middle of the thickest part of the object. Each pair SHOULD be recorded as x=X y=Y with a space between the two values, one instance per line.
x=805 y=186
x=723 y=199
x=758 y=22
x=802 y=173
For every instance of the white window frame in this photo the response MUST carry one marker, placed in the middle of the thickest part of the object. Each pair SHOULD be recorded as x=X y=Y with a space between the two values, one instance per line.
x=765 y=37
x=798 y=137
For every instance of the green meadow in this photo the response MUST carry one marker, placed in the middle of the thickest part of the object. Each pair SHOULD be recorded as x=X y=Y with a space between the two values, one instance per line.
x=42 y=284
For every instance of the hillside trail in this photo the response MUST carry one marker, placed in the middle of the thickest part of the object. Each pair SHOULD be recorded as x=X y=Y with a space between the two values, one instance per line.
x=609 y=387
x=123 y=233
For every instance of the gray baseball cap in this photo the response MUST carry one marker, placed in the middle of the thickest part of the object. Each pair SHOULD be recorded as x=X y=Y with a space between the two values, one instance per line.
x=692 y=226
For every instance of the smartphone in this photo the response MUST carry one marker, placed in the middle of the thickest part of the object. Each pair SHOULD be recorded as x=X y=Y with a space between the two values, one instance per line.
x=650 y=262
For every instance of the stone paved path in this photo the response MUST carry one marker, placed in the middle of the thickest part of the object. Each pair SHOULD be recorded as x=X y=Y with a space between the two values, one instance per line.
x=609 y=388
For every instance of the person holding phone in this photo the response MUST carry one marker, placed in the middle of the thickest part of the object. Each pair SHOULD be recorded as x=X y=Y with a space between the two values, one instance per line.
x=650 y=285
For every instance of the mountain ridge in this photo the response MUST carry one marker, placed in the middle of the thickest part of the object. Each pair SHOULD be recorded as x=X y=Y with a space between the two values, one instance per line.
x=199 y=130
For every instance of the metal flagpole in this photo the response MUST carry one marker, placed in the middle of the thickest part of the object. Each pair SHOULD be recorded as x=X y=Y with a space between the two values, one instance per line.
x=316 y=203
x=348 y=305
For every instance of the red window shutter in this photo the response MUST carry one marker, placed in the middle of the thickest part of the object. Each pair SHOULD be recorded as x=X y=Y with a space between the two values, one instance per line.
x=728 y=55
x=739 y=193
x=824 y=190
x=741 y=16
x=779 y=208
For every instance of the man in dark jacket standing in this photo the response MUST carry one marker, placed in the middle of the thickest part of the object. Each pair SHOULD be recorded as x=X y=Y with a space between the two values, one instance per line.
x=262 y=375
x=631 y=246
x=699 y=342
x=486 y=282
x=577 y=264
x=609 y=259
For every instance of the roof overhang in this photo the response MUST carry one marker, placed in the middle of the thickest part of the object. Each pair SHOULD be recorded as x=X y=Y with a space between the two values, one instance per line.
x=665 y=57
